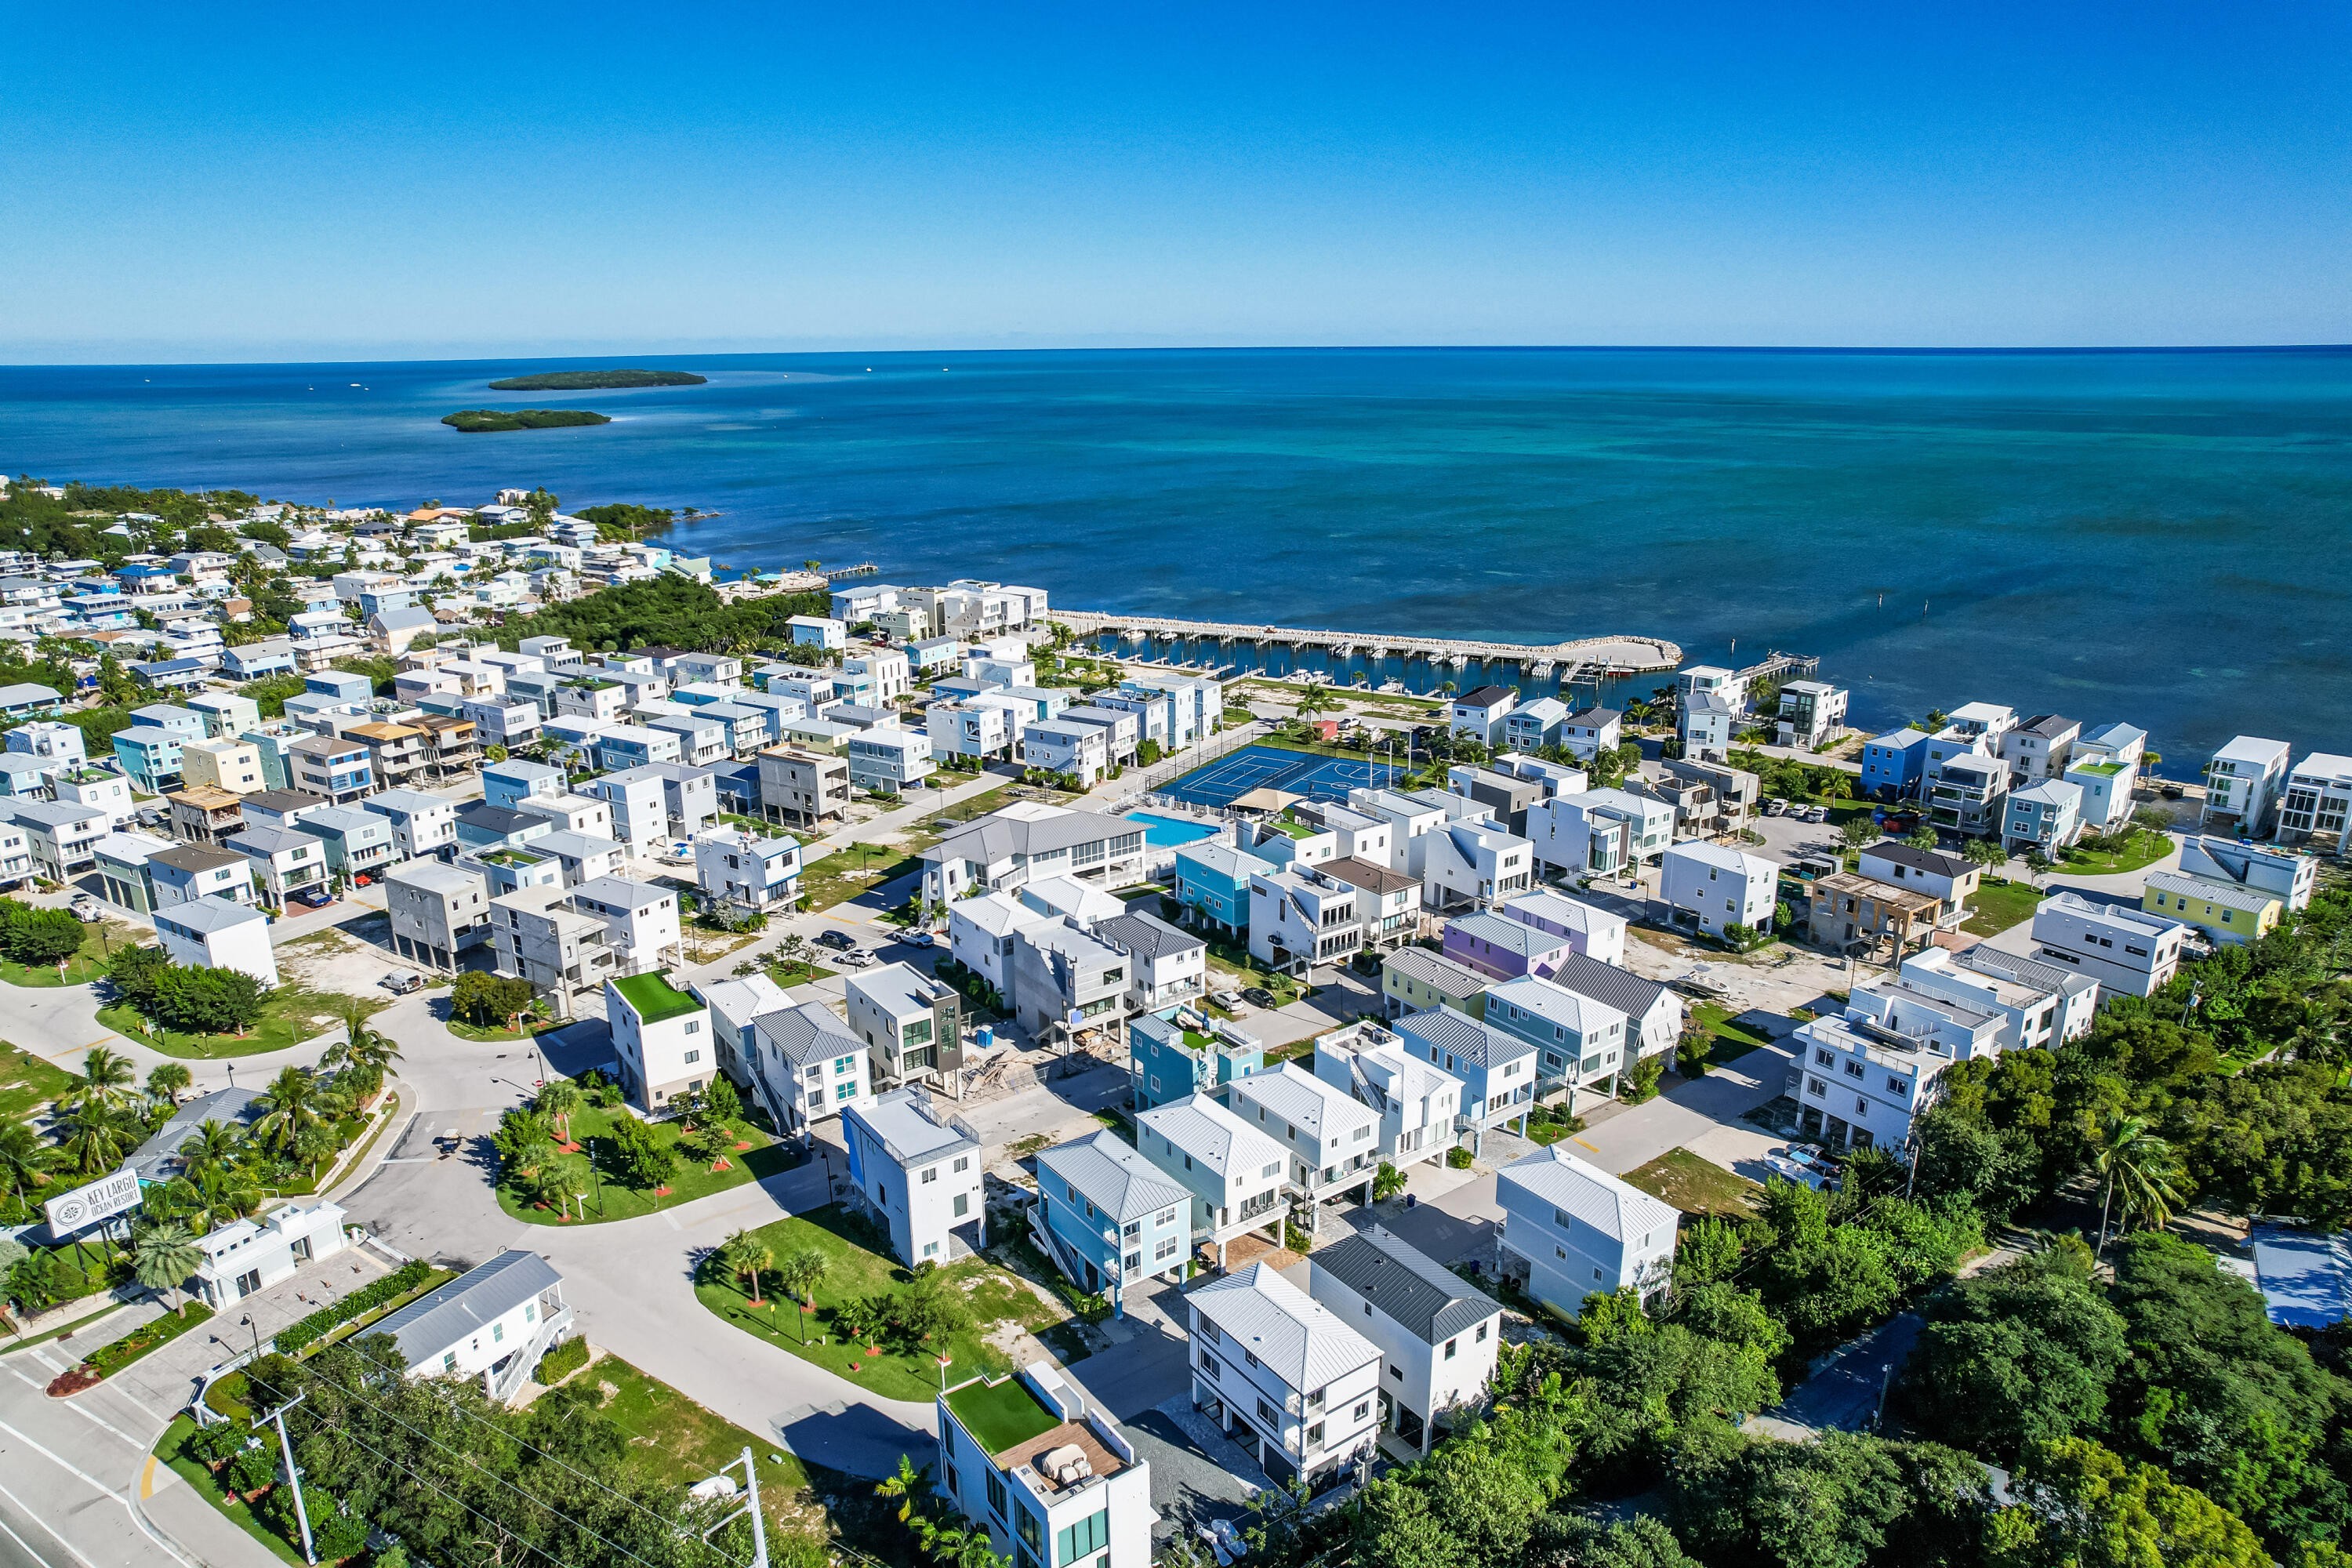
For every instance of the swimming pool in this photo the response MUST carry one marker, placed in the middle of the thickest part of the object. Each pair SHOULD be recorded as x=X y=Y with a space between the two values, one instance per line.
x=1171 y=830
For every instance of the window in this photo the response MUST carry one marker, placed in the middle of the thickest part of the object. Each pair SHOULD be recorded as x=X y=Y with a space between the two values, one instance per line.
x=1363 y=1408
x=1481 y=1336
x=996 y=1494
x=964 y=1163
x=963 y=1205
x=694 y=1025
x=1209 y=1364
x=1269 y=1414
x=1451 y=1346
x=1396 y=1371
x=1315 y=1436
x=498 y=1333
x=931 y=1175
x=449 y=1360
x=1082 y=1539
x=693 y=1057
x=1210 y=1332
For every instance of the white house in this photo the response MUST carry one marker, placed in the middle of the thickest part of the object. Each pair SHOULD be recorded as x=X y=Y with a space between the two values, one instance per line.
x=1284 y=1376
x=1234 y=1170
x=735 y=1005
x=918 y=1169
x=1438 y=1335
x=662 y=1037
x=1707 y=720
x=2243 y=784
x=218 y=933
x=807 y=1065
x=1479 y=714
x=1474 y=863
x=1332 y=1140
x=1065 y=746
x=747 y=871
x=1298 y=921
x=1710 y=887
x=2104 y=765
x=1167 y=967
x=1416 y=1101
x=2317 y=807
x=1601 y=832
x=1812 y=711
x=1049 y=1478
x=2123 y=948
x=1498 y=1068
x=1859 y=1080
x=1589 y=930
x=250 y=1255
x=494 y=1322
x=2038 y=1004
x=1571 y=1228
x=2290 y=876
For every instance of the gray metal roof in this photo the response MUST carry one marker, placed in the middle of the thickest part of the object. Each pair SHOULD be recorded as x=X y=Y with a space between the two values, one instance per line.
x=158 y=1159
x=1437 y=970
x=1297 y=1338
x=1146 y=936
x=807 y=1033
x=1473 y=1044
x=432 y=1324
x=1425 y=1299
x=1106 y=1170
x=1608 y=985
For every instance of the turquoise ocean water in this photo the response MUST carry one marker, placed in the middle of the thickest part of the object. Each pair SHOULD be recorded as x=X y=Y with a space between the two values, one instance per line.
x=2157 y=537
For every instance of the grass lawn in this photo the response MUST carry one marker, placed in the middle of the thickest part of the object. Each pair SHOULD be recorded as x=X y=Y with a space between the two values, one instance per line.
x=172 y=1448
x=788 y=975
x=531 y=1028
x=609 y=1198
x=2000 y=904
x=1732 y=1040
x=673 y=1439
x=990 y=1296
x=1694 y=1185
x=1002 y=1414
x=99 y=939
x=28 y=1083
x=377 y=1120
x=292 y=1014
x=845 y=873
x=149 y=1337
x=2113 y=859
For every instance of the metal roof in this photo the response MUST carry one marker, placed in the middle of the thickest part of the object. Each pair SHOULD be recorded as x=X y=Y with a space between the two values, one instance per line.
x=1296 y=1336
x=1471 y=1043
x=1607 y=984
x=1588 y=1193
x=1108 y=1172
x=809 y=1031
x=432 y=1324
x=1302 y=1100
x=1422 y=1296
x=1146 y=936
x=1209 y=1132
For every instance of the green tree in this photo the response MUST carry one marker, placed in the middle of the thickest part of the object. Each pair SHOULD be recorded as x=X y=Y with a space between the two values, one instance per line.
x=722 y=1101
x=799 y=1273
x=1568 y=1541
x=2017 y=1356
x=107 y=1080
x=1859 y=830
x=908 y=1484
x=646 y=1160
x=2078 y=1505
x=2136 y=1165
x=294 y=1101
x=163 y=1255
x=746 y=1258
x=488 y=1002
x=167 y=1081
x=22 y=1156
x=95 y=1138
x=39 y=1279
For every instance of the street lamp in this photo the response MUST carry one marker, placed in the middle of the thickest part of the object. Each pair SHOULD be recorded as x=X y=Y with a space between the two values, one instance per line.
x=247 y=1321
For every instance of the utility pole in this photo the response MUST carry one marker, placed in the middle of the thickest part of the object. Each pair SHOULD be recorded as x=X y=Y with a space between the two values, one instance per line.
x=294 y=1476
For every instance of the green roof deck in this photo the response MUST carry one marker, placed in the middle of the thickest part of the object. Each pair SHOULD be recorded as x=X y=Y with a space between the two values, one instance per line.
x=2104 y=770
x=653 y=998
x=1001 y=1416
x=1296 y=829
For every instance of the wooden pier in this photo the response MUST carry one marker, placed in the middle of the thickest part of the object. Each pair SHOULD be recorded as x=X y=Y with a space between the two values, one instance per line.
x=1578 y=659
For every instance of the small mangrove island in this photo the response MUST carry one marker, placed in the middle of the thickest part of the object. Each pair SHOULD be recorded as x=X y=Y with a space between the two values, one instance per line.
x=588 y=380
x=474 y=421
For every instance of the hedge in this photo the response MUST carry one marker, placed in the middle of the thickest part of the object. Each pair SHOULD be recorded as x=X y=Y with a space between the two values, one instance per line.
x=107 y=1360
x=562 y=1360
x=299 y=1335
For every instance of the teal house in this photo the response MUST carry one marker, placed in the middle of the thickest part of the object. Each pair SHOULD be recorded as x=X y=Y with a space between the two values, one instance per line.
x=1170 y=1062
x=1213 y=879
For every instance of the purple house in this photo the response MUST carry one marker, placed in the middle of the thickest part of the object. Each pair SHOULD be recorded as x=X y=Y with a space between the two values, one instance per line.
x=1504 y=949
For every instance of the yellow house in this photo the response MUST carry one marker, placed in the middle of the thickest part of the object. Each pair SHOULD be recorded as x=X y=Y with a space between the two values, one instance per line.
x=224 y=764
x=2222 y=911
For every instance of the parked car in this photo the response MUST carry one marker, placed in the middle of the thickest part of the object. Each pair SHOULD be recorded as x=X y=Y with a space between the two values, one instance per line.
x=311 y=898
x=1228 y=1000
x=918 y=939
x=403 y=982
x=1803 y=1176
x=1259 y=996
x=856 y=958
x=1776 y=806
x=84 y=907
x=1817 y=814
x=831 y=938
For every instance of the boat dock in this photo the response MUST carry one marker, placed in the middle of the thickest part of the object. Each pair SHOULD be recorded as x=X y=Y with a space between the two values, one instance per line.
x=1578 y=659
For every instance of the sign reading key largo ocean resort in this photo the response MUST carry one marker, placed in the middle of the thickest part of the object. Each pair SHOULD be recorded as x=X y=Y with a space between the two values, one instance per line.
x=103 y=1199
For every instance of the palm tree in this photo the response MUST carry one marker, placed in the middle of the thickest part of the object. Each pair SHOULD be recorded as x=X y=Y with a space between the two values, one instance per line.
x=557 y=1101
x=747 y=1257
x=564 y=1178
x=801 y=1271
x=2136 y=1164
x=295 y=1097
x=213 y=1145
x=163 y=1255
x=314 y=1144
x=20 y=1157
x=166 y=1079
x=106 y=1079
x=367 y=1052
x=97 y=1142
x=909 y=1484
x=216 y=1194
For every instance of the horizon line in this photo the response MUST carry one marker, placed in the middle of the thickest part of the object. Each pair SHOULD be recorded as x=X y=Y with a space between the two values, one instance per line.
x=1888 y=351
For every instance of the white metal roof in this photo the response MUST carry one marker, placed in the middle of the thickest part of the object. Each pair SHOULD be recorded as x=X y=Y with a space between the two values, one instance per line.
x=1588 y=1193
x=1298 y=1338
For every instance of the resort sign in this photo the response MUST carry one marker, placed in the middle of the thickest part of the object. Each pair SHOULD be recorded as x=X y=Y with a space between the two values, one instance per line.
x=85 y=1206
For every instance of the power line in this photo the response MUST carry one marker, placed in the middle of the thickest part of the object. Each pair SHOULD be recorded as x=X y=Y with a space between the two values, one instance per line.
x=669 y=1524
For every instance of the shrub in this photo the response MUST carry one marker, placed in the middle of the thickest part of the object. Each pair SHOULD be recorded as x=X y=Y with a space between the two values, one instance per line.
x=1458 y=1157
x=33 y=936
x=487 y=1002
x=303 y=1332
x=562 y=1360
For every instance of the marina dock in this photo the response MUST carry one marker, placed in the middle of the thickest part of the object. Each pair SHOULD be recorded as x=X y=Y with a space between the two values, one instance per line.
x=1578 y=659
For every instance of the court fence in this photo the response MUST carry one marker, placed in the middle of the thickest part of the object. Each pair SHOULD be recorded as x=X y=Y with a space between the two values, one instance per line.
x=1147 y=781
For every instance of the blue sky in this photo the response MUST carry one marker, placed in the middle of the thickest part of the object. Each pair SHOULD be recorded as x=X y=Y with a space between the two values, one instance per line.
x=249 y=181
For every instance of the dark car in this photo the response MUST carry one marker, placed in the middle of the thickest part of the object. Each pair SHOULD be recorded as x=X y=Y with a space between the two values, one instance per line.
x=1259 y=996
x=311 y=898
x=840 y=939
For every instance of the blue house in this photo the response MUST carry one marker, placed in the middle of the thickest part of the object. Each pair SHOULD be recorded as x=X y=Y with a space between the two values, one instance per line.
x=341 y=685
x=150 y=758
x=1214 y=879
x=1110 y=1218
x=1170 y=1062
x=1894 y=763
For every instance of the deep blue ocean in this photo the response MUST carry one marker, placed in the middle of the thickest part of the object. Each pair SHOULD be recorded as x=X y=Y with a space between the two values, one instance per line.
x=2154 y=537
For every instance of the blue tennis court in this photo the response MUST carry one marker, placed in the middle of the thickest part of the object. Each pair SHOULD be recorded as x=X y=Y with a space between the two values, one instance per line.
x=1236 y=773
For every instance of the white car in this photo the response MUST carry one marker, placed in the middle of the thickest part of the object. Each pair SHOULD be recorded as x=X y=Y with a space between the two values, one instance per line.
x=1804 y=1176
x=918 y=939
